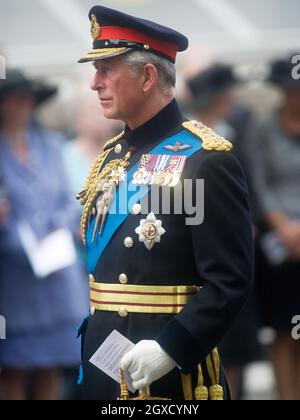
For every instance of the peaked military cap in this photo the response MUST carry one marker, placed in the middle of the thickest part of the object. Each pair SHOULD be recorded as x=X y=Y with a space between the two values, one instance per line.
x=115 y=33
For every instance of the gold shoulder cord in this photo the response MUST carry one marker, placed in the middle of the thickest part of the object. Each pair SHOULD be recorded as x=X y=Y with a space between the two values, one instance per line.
x=89 y=192
x=211 y=140
x=201 y=391
x=216 y=392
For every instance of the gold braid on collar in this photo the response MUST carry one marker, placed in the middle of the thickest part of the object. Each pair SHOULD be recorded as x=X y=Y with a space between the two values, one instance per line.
x=112 y=142
x=211 y=140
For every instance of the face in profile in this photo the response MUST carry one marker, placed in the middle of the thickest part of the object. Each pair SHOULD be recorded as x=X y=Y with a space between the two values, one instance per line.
x=120 y=92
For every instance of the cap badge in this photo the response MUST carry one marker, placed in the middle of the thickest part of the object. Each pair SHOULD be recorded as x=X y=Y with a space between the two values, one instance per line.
x=95 y=28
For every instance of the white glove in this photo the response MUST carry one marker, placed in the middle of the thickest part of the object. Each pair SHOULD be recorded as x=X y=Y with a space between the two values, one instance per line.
x=146 y=363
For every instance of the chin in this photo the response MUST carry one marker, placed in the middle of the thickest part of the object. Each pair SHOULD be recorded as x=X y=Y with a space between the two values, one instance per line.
x=110 y=114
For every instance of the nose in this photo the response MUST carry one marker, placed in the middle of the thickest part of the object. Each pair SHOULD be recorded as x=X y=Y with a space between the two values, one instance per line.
x=97 y=82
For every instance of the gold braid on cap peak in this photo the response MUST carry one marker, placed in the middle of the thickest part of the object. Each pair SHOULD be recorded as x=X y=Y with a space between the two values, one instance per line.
x=89 y=192
x=211 y=140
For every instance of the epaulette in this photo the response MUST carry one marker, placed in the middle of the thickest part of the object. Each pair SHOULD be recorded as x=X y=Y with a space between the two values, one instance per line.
x=211 y=140
x=112 y=142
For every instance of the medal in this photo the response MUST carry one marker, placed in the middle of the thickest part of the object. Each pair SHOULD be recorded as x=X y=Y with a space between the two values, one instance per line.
x=167 y=178
x=141 y=173
x=138 y=177
x=147 y=178
x=175 y=179
x=160 y=178
x=102 y=206
x=162 y=170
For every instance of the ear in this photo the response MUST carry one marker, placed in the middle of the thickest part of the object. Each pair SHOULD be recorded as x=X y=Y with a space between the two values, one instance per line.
x=150 y=77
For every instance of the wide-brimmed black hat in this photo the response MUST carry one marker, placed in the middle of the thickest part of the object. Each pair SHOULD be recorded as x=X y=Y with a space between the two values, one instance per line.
x=210 y=83
x=285 y=72
x=15 y=80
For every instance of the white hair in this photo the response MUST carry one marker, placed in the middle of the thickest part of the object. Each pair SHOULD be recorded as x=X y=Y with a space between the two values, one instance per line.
x=136 y=60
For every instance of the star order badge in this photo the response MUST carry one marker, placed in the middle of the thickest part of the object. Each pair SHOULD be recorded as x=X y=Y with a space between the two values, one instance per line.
x=95 y=28
x=150 y=231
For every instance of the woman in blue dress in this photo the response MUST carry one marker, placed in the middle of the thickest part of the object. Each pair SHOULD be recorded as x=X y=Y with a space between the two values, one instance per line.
x=41 y=315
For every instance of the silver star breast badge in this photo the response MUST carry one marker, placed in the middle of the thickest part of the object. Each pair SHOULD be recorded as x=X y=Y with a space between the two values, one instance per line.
x=150 y=231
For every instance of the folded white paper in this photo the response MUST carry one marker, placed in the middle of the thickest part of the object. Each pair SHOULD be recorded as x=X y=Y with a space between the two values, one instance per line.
x=109 y=355
x=53 y=253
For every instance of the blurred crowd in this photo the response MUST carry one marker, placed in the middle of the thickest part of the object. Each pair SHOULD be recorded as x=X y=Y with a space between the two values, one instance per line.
x=40 y=173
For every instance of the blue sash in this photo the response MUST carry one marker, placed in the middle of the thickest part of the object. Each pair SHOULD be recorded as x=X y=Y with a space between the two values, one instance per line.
x=134 y=195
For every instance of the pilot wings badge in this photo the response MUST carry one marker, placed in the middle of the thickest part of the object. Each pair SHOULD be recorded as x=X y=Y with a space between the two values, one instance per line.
x=178 y=147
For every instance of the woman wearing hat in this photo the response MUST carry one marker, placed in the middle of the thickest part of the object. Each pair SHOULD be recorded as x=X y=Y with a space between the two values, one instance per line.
x=277 y=174
x=41 y=314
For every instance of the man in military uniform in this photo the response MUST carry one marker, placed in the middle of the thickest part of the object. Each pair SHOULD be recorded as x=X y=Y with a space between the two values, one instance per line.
x=170 y=285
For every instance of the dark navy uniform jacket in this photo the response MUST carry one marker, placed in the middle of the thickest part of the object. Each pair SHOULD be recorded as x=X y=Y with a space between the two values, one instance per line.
x=217 y=255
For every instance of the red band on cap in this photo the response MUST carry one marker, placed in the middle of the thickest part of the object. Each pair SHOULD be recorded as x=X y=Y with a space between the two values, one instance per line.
x=127 y=34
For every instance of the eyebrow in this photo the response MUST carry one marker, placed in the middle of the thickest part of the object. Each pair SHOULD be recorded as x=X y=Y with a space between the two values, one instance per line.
x=100 y=65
